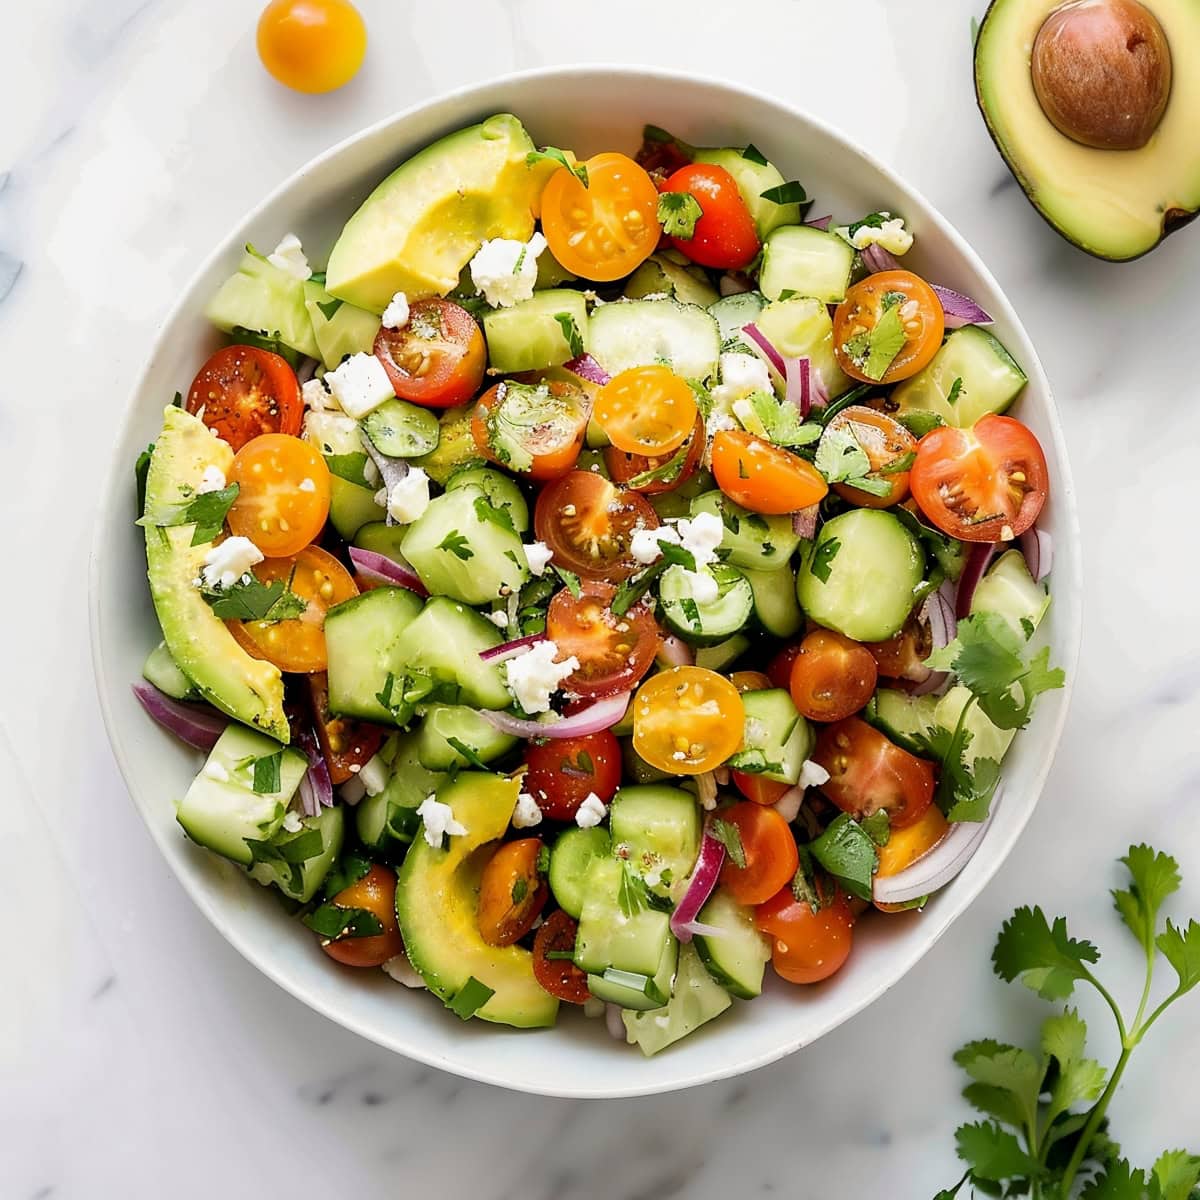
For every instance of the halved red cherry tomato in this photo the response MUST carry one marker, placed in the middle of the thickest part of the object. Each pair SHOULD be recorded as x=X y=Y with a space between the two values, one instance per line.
x=887 y=445
x=779 y=669
x=832 y=677
x=243 y=391
x=687 y=720
x=656 y=473
x=769 y=850
x=512 y=892
x=661 y=156
x=762 y=477
x=283 y=494
x=921 y=320
x=646 y=410
x=438 y=358
x=345 y=743
x=375 y=892
x=983 y=484
x=562 y=771
x=903 y=655
x=867 y=772
x=298 y=643
x=559 y=976
x=589 y=523
x=613 y=652
x=724 y=237
x=602 y=231
x=806 y=946
x=534 y=430
x=759 y=788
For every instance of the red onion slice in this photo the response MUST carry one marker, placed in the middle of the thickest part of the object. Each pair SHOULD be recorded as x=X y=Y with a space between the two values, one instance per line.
x=804 y=521
x=507 y=650
x=381 y=569
x=819 y=222
x=316 y=787
x=977 y=563
x=761 y=345
x=601 y=715
x=959 y=309
x=199 y=725
x=938 y=613
x=700 y=887
x=306 y=369
x=674 y=652
x=586 y=367
x=798 y=374
x=875 y=258
x=1038 y=548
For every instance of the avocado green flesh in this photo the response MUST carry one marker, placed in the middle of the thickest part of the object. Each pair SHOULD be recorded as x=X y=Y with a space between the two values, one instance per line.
x=1115 y=204
x=420 y=227
x=437 y=897
x=248 y=689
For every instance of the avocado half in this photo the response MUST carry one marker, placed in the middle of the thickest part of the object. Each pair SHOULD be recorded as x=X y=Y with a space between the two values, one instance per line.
x=1115 y=204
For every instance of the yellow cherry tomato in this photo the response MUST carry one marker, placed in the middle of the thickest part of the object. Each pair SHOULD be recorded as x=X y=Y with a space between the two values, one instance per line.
x=312 y=45
x=646 y=410
x=687 y=720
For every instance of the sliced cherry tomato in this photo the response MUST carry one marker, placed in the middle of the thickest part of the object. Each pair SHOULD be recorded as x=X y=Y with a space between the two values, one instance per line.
x=559 y=975
x=589 y=523
x=656 y=473
x=534 y=430
x=762 y=477
x=242 y=392
x=346 y=744
x=832 y=677
x=563 y=771
x=375 y=892
x=903 y=655
x=750 y=681
x=779 y=669
x=868 y=772
x=646 y=410
x=283 y=494
x=983 y=484
x=768 y=849
x=724 y=236
x=298 y=643
x=906 y=845
x=687 y=720
x=605 y=230
x=807 y=946
x=759 y=788
x=887 y=445
x=438 y=358
x=613 y=652
x=312 y=45
x=921 y=320
x=512 y=893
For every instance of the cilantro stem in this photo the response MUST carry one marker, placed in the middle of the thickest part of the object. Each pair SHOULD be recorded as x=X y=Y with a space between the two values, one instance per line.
x=1112 y=1004
x=1141 y=1012
x=1141 y=1031
x=1093 y=1123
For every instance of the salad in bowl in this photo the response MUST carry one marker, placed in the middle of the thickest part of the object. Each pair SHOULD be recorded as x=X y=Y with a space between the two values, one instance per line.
x=604 y=583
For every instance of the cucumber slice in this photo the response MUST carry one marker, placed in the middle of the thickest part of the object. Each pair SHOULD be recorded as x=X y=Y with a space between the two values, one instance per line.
x=737 y=956
x=633 y=990
x=659 y=276
x=633 y=939
x=799 y=260
x=382 y=538
x=528 y=335
x=705 y=623
x=436 y=752
x=351 y=506
x=991 y=379
x=298 y=877
x=402 y=430
x=570 y=858
x=753 y=179
x=802 y=328
x=456 y=445
x=987 y=740
x=656 y=829
x=264 y=299
x=501 y=490
x=340 y=329
x=1008 y=590
x=695 y=1000
x=759 y=542
x=866 y=567
x=163 y=671
x=732 y=314
x=902 y=717
x=388 y=820
x=775 y=603
x=638 y=333
x=722 y=656
x=775 y=734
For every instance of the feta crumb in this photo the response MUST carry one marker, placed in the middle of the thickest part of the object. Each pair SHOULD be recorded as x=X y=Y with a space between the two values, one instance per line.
x=505 y=270
x=701 y=535
x=409 y=497
x=306 y=485
x=374 y=775
x=360 y=385
x=215 y=770
x=292 y=822
x=653 y=877
x=741 y=375
x=213 y=480
x=701 y=586
x=228 y=561
x=538 y=555
x=439 y=820
x=590 y=812
x=527 y=814
x=499 y=618
x=396 y=315
x=402 y=971
x=316 y=395
x=719 y=421
x=891 y=235
x=535 y=675
x=289 y=256
x=812 y=774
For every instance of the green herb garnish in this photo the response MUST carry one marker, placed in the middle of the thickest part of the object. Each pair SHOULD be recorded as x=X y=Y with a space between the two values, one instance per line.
x=678 y=213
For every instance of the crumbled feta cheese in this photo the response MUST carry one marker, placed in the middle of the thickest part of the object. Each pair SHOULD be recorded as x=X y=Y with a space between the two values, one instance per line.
x=538 y=555
x=812 y=774
x=228 y=561
x=306 y=485
x=289 y=256
x=653 y=877
x=719 y=421
x=409 y=497
x=527 y=814
x=499 y=618
x=505 y=270
x=374 y=775
x=891 y=235
x=402 y=971
x=213 y=480
x=292 y=822
x=439 y=820
x=215 y=770
x=741 y=374
x=396 y=315
x=360 y=385
x=701 y=586
x=701 y=535
x=590 y=812
x=316 y=395
x=644 y=547
x=534 y=676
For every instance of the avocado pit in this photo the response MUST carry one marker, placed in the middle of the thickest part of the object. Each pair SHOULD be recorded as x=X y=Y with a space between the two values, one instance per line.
x=1102 y=72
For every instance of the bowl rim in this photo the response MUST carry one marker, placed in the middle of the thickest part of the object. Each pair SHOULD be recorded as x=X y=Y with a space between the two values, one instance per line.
x=113 y=498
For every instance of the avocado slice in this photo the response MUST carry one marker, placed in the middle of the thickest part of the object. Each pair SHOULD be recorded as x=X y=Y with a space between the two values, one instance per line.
x=418 y=229
x=437 y=895
x=248 y=689
x=1116 y=204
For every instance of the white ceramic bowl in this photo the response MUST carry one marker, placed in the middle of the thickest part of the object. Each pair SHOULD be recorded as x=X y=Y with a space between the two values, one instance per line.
x=589 y=109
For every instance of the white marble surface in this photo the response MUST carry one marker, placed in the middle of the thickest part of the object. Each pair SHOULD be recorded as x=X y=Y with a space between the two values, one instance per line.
x=139 y=1055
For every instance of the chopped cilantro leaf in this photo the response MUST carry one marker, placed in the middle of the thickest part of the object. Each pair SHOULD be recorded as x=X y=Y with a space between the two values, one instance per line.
x=351 y=467
x=520 y=889
x=848 y=853
x=730 y=837
x=919 y=422
x=570 y=332
x=753 y=761
x=497 y=514
x=678 y=213
x=666 y=472
x=454 y=543
x=781 y=422
x=786 y=193
x=554 y=154
x=823 y=557
x=753 y=154
x=899 y=465
x=570 y=580
x=872 y=350
x=470 y=998
x=252 y=600
x=634 y=588
x=955 y=391
x=334 y=922
x=676 y=556
x=266 y=773
x=841 y=459
x=467 y=752
x=206 y=511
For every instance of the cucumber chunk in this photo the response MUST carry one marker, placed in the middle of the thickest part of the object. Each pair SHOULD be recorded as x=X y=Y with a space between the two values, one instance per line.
x=501 y=490
x=435 y=750
x=287 y=863
x=903 y=718
x=456 y=445
x=656 y=829
x=799 y=260
x=711 y=622
x=634 y=991
x=777 y=739
x=614 y=931
x=759 y=542
x=987 y=739
x=695 y=1000
x=1009 y=591
x=775 y=603
x=382 y=538
x=638 y=333
x=402 y=430
x=722 y=656
x=802 y=328
x=732 y=314
x=753 y=179
x=388 y=820
x=528 y=336
x=340 y=329
x=163 y=671
x=351 y=506
x=736 y=956
x=659 y=275
x=859 y=574
x=570 y=858
x=264 y=299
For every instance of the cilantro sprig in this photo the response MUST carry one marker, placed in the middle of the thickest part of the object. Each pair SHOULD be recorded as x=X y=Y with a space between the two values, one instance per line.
x=249 y=599
x=1045 y=1110
x=678 y=213
x=841 y=459
x=872 y=350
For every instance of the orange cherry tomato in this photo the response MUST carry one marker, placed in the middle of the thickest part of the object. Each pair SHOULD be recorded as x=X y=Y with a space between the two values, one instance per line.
x=512 y=893
x=605 y=230
x=646 y=410
x=346 y=744
x=769 y=850
x=687 y=720
x=631 y=470
x=759 y=788
x=906 y=845
x=832 y=676
x=283 y=494
x=887 y=445
x=438 y=358
x=724 y=237
x=298 y=643
x=921 y=319
x=534 y=430
x=762 y=477
x=312 y=45
x=903 y=655
x=559 y=976
x=375 y=892
x=242 y=391
x=750 y=681
x=806 y=946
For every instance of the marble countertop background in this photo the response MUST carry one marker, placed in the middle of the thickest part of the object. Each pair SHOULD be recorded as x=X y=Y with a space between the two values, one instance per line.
x=139 y=1055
